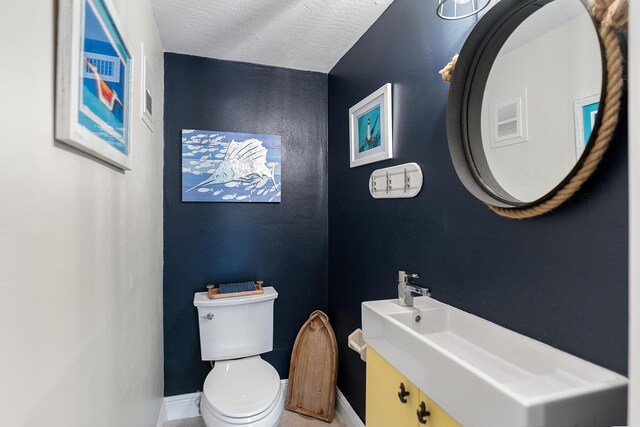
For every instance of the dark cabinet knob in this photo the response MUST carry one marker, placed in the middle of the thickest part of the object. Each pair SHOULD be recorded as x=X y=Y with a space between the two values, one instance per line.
x=422 y=413
x=403 y=393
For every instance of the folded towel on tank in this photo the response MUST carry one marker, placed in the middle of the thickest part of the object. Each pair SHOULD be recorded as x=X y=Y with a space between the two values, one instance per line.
x=226 y=288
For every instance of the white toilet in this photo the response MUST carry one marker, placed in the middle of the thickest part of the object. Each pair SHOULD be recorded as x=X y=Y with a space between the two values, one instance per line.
x=241 y=389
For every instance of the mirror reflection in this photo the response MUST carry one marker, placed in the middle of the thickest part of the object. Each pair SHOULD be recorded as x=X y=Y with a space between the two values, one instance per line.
x=541 y=101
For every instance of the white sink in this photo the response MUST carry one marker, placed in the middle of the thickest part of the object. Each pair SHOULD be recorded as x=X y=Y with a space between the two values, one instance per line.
x=484 y=375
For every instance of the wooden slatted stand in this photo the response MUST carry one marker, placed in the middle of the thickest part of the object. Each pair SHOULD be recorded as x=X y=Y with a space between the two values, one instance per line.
x=314 y=369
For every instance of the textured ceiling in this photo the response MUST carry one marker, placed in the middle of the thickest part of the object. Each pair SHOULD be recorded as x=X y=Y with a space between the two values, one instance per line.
x=302 y=34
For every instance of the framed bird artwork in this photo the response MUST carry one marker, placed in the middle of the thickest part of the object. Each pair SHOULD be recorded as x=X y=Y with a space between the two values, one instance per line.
x=94 y=77
x=370 y=128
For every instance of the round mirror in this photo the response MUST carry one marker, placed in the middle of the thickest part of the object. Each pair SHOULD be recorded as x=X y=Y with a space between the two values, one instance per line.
x=524 y=101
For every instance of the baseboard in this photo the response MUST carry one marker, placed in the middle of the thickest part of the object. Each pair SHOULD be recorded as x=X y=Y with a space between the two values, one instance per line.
x=182 y=406
x=188 y=406
x=346 y=412
x=162 y=417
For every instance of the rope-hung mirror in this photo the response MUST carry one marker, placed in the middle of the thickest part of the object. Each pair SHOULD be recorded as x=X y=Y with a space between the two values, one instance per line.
x=534 y=101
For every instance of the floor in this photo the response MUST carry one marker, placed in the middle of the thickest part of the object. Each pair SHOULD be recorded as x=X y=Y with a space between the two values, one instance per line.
x=289 y=419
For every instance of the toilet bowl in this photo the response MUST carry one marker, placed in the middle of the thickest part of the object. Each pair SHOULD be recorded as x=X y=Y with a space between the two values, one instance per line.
x=242 y=392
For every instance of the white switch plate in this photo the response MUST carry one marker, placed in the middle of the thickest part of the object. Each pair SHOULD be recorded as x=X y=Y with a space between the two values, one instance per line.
x=146 y=95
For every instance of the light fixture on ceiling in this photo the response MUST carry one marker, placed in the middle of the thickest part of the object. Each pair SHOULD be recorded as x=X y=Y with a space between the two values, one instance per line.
x=460 y=9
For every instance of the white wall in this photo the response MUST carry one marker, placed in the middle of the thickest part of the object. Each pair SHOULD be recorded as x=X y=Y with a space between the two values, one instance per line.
x=80 y=245
x=634 y=214
x=555 y=71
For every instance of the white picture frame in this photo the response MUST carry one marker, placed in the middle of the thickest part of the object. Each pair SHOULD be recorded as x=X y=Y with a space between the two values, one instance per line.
x=581 y=107
x=377 y=144
x=94 y=81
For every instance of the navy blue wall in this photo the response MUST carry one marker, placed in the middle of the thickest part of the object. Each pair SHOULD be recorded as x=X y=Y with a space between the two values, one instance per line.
x=560 y=278
x=283 y=244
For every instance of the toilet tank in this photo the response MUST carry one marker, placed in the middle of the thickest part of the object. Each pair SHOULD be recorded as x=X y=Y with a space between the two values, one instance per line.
x=235 y=327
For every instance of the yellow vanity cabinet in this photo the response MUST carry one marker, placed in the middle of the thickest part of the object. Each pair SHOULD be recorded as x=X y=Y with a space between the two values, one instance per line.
x=393 y=401
x=383 y=406
x=437 y=416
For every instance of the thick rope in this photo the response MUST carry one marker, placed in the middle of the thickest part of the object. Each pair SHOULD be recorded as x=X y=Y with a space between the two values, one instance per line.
x=613 y=17
x=447 y=72
x=611 y=13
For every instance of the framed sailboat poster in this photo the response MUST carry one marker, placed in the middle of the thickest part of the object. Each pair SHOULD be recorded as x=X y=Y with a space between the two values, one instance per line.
x=94 y=76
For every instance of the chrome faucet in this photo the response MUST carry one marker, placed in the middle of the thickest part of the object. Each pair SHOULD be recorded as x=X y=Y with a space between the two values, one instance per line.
x=406 y=288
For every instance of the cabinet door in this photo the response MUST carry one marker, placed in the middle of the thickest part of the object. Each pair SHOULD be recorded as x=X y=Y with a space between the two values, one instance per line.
x=384 y=406
x=437 y=416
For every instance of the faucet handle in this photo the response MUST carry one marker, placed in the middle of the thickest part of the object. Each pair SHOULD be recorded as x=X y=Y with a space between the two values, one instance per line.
x=403 y=276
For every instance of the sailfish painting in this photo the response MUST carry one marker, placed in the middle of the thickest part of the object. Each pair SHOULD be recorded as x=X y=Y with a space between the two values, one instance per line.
x=230 y=167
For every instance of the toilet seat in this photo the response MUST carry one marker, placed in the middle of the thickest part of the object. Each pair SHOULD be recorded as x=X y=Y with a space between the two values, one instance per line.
x=268 y=418
x=242 y=392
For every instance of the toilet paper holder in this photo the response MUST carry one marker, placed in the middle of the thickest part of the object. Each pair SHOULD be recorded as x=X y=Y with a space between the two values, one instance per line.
x=358 y=344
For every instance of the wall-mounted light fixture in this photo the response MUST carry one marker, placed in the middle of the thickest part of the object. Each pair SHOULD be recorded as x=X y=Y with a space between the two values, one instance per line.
x=460 y=9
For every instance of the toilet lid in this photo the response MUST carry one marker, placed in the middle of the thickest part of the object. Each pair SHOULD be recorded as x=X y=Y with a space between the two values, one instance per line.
x=242 y=388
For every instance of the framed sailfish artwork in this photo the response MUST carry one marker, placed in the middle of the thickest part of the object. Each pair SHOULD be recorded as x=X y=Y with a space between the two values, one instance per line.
x=230 y=167
x=94 y=77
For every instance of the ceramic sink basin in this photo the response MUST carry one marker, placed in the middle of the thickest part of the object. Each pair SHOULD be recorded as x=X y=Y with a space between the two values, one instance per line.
x=485 y=375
